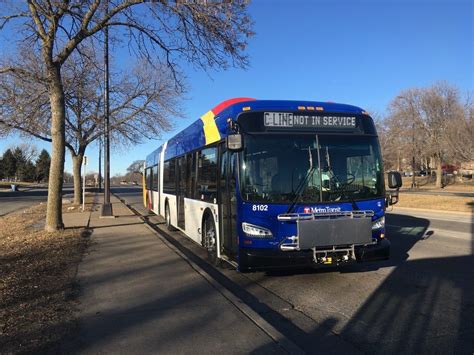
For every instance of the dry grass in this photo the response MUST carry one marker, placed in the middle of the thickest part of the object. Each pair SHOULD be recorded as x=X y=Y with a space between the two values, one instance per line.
x=424 y=183
x=89 y=206
x=37 y=272
x=436 y=202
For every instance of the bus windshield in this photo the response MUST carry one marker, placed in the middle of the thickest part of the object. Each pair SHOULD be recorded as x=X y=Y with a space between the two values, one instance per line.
x=276 y=168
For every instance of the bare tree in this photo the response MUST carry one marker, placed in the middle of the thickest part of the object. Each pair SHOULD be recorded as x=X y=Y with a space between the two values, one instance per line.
x=460 y=133
x=385 y=140
x=136 y=167
x=431 y=124
x=440 y=106
x=142 y=102
x=403 y=123
x=204 y=33
x=135 y=171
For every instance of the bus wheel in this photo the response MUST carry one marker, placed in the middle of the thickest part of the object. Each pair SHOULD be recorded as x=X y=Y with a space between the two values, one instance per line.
x=209 y=238
x=168 y=218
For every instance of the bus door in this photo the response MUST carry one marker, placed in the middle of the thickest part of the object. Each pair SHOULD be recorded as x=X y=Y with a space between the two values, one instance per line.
x=227 y=203
x=150 y=188
x=157 y=184
x=181 y=189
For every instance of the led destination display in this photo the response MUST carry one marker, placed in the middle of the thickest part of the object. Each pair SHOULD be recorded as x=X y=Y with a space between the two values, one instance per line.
x=292 y=120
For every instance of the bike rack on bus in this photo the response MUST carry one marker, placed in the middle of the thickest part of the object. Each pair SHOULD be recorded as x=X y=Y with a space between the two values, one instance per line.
x=291 y=243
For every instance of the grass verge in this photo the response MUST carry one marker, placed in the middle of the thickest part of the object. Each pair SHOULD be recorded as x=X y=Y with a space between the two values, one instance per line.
x=37 y=273
x=424 y=183
x=7 y=184
x=436 y=202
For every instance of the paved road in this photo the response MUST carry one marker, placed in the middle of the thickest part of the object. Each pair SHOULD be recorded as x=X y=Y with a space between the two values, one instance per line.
x=419 y=301
x=13 y=201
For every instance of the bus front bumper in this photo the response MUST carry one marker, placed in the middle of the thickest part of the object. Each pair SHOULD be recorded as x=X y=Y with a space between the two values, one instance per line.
x=253 y=259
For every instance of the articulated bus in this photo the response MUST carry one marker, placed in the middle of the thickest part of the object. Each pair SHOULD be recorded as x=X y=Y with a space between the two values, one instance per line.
x=275 y=184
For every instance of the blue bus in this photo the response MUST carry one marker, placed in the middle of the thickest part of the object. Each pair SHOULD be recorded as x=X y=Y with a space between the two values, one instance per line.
x=269 y=184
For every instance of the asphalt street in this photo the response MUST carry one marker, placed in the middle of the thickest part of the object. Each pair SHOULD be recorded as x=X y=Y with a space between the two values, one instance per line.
x=12 y=201
x=419 y=301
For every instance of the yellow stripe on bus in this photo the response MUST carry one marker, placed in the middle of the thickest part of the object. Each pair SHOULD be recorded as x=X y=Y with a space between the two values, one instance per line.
x=211 y=133
x=144 y=189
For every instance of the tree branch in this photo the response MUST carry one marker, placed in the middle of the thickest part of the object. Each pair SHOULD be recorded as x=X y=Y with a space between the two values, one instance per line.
x=5 y=19
x=83 y=32
x=33 y=6
x=25 y=130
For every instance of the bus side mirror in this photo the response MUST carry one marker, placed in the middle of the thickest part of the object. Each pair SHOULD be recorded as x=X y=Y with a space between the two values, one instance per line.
x=391 y=198
x=235 y=142
x=394 y=180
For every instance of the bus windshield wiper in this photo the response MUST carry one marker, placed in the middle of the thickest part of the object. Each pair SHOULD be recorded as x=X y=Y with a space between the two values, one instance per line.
x=300 y=188
x=342 y=187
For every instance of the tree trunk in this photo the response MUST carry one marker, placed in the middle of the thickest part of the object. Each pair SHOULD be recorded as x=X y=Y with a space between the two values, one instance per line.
x=54 y=218
x=439 y=172
x=76 y=171
x=398 y=159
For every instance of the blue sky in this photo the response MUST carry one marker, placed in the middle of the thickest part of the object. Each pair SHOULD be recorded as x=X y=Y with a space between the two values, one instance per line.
x=358 y=52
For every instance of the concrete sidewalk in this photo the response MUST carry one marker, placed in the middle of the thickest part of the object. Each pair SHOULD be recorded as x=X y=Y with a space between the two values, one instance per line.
x=139 y=296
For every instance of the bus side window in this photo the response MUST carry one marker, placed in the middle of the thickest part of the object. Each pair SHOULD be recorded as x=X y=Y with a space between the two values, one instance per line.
x=148 y=174
x=153 y=178
x=190 y=175
x=169 y=177
x=207 y=175
x=150 y=181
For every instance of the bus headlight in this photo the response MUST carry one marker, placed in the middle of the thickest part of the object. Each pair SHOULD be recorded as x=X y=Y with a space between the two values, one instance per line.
x=378 y=223
x=254 y=231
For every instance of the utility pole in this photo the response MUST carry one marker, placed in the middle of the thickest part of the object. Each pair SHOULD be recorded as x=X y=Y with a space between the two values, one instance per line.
x=107 y=206
x=100 y=164
x=413 y=164
x=84 y=162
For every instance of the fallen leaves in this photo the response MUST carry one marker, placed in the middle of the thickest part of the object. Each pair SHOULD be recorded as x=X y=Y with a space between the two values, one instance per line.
x=37 y=272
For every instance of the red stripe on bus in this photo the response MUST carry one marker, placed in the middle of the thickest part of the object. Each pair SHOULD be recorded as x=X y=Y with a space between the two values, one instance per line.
x=224 y=104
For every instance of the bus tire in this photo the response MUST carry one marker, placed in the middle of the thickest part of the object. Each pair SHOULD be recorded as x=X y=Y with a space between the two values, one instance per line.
x=209 y=238
x=169 y=226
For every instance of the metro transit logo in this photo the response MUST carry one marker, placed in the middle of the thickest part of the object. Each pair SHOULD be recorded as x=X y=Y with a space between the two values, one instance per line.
x=325 y=209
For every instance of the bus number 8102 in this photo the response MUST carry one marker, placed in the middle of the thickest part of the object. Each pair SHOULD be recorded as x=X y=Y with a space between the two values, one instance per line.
x=260 y=208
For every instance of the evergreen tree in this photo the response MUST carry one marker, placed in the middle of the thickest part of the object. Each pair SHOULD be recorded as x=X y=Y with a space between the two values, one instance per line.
x=29 y=172
x=42 y=166
x=21 y=161
x=9 y=164
x=2 y=170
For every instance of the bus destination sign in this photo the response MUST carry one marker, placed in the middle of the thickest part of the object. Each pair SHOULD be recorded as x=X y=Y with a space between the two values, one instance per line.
x=292 y=120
